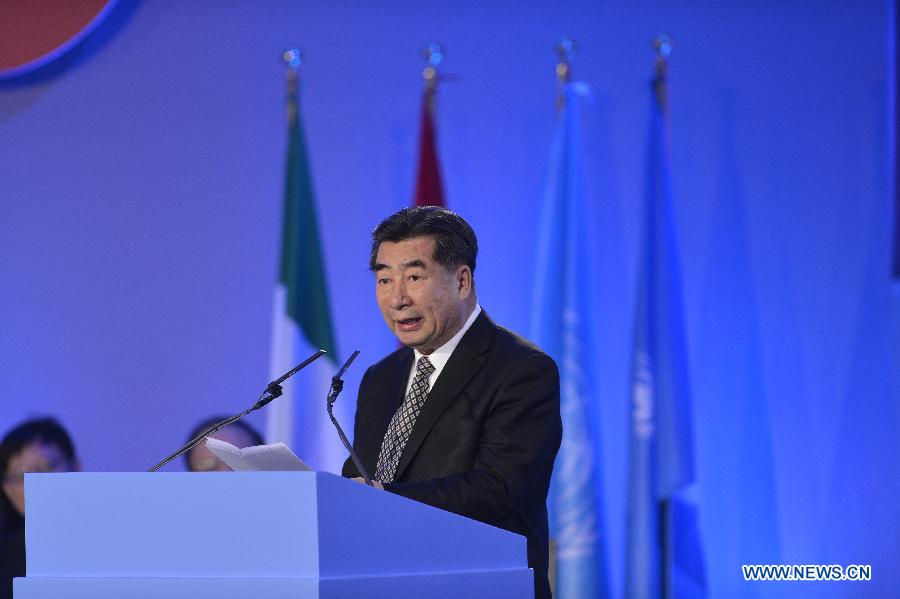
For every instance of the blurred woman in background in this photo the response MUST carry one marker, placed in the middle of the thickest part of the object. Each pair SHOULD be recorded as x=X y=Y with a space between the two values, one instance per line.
x=40 y=445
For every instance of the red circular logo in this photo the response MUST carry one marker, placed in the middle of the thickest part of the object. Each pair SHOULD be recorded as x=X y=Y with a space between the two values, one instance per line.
x=33 y=34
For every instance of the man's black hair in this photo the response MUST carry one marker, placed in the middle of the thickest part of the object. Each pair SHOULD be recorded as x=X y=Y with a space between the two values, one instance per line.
x=205 y=424
x=455 y=241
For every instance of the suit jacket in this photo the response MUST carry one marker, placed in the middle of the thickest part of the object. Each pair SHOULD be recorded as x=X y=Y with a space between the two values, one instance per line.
x=485 y=440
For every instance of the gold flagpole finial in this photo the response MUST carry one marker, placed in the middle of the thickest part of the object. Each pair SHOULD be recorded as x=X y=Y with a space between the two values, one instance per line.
x=565 y=50
x=433 y=54
x=662 y=43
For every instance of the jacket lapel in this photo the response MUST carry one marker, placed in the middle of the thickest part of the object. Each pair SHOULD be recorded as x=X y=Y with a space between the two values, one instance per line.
x=464 y=362
x=389 y=395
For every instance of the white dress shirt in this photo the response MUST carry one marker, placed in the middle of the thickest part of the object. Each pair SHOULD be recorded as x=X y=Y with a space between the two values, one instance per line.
x=439 y=357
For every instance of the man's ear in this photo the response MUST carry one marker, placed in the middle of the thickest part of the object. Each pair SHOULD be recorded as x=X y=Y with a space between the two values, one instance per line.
x=464 y=281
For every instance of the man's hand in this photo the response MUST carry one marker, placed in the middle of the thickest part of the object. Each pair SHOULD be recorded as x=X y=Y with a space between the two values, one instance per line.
x=375 y=483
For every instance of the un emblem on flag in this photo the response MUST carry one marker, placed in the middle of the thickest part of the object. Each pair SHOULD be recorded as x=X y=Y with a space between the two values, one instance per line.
x=642 y=398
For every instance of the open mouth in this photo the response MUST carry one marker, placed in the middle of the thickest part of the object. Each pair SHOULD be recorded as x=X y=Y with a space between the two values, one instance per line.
x=409 y=324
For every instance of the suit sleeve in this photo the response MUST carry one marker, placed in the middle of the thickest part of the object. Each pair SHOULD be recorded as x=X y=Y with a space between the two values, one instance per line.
x=514 y=460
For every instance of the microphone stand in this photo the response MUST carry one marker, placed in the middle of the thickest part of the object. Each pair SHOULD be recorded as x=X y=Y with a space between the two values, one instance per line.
x=272 y=391
x=337 y=385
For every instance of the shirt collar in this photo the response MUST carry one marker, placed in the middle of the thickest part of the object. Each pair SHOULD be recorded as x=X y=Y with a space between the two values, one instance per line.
x=439 y=357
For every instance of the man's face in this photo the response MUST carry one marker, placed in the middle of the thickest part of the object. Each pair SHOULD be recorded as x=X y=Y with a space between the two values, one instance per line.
x=422 y=302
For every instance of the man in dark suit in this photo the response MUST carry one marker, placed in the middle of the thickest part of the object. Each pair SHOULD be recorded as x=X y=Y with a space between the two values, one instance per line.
x=465 y=417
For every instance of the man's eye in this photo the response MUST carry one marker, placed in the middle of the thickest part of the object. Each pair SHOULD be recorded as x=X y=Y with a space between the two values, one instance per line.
x=383 y=281
x=414 y=277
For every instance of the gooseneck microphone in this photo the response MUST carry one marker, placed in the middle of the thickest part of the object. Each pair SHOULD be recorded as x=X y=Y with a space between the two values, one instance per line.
x=337 y=385
x=272 y=391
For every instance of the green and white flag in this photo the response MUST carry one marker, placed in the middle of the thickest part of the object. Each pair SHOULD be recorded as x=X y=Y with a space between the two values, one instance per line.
x=301 y=321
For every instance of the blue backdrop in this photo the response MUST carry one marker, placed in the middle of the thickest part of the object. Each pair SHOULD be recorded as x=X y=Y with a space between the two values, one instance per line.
x=140 y=197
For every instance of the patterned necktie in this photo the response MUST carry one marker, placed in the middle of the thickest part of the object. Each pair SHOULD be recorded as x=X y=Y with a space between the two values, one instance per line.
x=402 y=423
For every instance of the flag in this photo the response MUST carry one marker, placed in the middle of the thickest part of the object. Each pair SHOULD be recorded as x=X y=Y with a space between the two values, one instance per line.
x=894 y=49
x=561 y=324
x=301 y=321
x=429 y=189
x=663 y=554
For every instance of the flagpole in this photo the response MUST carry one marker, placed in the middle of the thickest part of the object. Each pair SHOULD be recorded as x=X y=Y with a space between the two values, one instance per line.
x=429 y=190
x=433 y=54
x=565 y=50
x=292 y=59
x=301 y=310
x=662 y=44
x=562 y=325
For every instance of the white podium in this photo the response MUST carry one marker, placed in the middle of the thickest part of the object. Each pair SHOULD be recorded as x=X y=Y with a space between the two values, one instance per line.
x=254 y=534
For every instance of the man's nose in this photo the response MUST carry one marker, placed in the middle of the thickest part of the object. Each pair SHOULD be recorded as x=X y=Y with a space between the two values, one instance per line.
x=399 y=299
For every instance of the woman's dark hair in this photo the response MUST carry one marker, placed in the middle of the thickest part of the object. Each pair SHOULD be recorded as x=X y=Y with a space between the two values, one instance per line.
x=43 y=430
x=454 y=240
x=205 y=424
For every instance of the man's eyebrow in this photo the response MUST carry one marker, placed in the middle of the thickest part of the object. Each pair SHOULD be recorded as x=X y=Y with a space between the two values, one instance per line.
x=417 y=263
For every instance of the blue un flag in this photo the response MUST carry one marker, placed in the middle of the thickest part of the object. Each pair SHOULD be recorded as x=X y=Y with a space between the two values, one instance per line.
x=663 y=552
x=561 y=325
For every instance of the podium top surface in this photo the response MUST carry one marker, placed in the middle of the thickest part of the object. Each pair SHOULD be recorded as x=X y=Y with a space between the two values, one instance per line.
x=240 y=524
